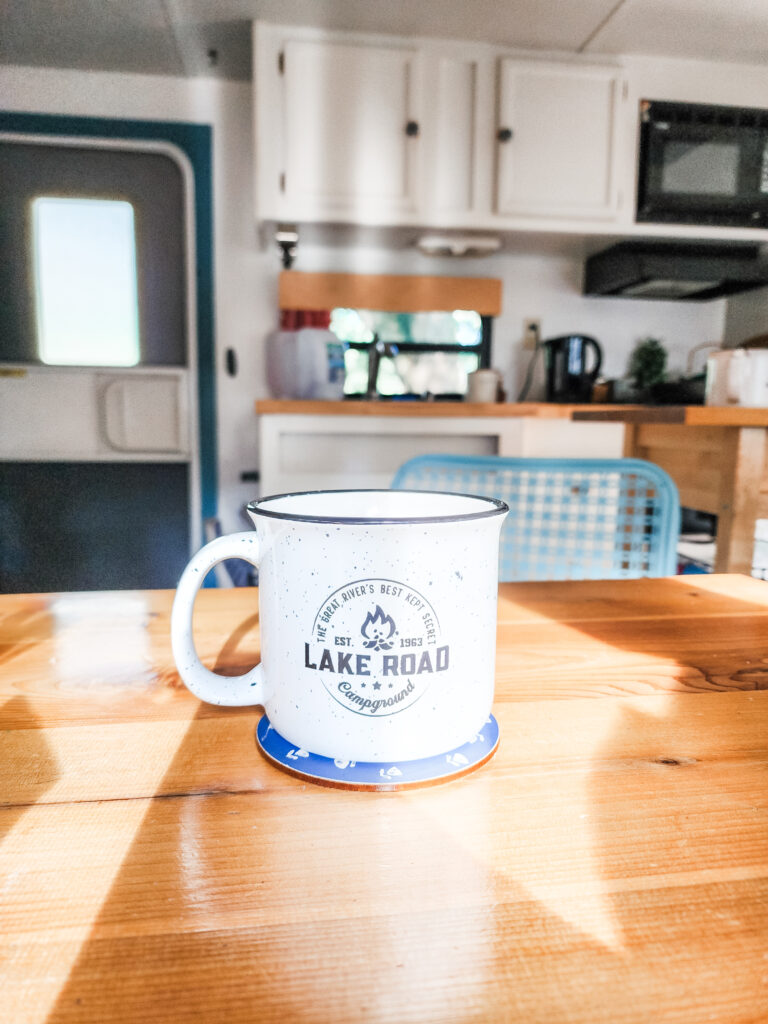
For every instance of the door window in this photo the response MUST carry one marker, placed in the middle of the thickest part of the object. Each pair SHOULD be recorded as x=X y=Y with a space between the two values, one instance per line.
x=84 y=272
x=93 y=240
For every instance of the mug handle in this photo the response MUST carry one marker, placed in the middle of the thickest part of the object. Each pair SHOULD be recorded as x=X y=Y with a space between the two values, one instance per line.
x=228 y=691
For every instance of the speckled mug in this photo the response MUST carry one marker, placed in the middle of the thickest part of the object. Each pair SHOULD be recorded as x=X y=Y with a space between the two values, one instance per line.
x=378 y=620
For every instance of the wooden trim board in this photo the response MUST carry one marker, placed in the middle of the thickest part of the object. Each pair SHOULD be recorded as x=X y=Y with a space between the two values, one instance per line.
x=397 y=293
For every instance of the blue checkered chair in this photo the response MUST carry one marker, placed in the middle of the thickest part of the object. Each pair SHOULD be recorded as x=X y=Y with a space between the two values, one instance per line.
x=598 y=519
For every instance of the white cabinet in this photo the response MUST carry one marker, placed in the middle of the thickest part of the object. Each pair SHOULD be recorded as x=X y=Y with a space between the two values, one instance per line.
x=458 y=128
x=378 y=130
x=348 y=143
x=314 y=451
x=556 y=153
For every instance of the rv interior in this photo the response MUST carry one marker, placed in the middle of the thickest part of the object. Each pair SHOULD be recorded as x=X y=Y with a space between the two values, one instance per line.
x=383 y=511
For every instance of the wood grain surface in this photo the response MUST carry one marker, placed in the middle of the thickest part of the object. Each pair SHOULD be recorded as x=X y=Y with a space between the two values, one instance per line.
x=365 y=407
x=610 y=864
x=396 y=293
x=690 y=415
x=700 y=416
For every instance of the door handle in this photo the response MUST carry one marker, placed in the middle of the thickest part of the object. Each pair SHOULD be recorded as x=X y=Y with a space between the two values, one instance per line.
x=144 y=414
x=113 y=416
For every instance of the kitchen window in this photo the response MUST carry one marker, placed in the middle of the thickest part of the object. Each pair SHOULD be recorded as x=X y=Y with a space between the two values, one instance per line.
x=419 y=336
x=420 y=353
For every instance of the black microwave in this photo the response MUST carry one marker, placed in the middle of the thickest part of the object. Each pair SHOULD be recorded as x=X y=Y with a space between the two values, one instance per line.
x=702 y=164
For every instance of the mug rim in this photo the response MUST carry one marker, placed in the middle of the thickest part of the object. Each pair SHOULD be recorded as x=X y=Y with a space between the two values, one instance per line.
x=497 y=507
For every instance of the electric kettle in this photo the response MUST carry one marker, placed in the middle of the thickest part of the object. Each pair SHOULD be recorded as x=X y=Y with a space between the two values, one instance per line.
x=568 y=379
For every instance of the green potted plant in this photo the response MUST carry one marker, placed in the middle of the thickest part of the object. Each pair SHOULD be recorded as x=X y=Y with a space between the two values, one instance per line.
x=648 y=365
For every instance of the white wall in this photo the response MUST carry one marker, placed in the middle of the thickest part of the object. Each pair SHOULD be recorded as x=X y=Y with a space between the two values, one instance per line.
x=747 y=316
x=546 y=287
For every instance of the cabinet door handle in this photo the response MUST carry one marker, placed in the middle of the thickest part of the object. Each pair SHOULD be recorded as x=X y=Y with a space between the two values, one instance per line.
x=504 y=134
x=412 y=128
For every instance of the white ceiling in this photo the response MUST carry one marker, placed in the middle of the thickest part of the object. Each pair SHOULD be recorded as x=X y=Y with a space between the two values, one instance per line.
x=176 y=37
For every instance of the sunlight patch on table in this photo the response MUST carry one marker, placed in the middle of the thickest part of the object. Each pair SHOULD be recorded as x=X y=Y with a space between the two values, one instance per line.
x=100 y=640
x=538 y=837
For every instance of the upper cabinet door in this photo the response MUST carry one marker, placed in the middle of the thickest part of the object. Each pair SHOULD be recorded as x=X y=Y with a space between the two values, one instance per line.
x=351 y=131
x=555 y=140
x=459 y=111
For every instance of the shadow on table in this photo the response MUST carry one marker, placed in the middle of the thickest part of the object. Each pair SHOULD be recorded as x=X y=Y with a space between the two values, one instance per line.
x=28 y=766
x=458 y=903
x=28 y=769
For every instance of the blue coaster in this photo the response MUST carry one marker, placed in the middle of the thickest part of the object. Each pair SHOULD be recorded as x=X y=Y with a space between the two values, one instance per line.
x=327 y=771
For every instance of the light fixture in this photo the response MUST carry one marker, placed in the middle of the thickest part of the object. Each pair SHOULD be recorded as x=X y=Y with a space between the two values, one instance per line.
x=458 y=245
x=287 y=238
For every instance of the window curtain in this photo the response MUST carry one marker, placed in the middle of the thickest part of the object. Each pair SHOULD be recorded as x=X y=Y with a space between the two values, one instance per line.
x=293 y=319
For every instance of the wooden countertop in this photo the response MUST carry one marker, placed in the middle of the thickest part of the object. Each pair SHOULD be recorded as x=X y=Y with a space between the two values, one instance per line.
x=297 y=407
x=609 y=865
x=691 y=415
x=688 y=415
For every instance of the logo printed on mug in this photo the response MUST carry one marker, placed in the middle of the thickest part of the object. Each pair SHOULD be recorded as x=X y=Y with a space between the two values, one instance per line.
x=369 y=661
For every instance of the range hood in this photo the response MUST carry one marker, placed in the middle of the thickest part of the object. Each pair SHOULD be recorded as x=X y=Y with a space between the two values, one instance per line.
x=682 y=271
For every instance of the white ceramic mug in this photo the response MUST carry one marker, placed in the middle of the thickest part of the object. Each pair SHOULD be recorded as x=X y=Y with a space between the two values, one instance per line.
x=378 y=620
x=483 y=386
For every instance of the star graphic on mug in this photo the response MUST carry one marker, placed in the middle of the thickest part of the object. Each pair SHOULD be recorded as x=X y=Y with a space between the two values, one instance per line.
x=377 y=686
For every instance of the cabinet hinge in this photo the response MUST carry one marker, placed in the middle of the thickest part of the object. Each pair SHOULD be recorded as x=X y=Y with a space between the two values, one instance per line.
x=281 y=62
x=282 y=181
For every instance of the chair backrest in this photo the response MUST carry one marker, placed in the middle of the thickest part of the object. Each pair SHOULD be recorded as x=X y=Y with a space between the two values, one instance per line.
x=568 y=518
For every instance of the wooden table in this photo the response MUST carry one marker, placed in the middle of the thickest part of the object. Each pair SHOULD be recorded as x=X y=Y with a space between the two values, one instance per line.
x=610 y=864
x=717 y=457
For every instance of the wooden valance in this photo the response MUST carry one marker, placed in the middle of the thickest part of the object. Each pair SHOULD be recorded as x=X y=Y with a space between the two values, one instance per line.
x=389 y=293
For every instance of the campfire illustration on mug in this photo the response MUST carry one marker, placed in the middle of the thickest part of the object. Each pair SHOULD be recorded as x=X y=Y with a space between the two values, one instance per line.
x=378 y=629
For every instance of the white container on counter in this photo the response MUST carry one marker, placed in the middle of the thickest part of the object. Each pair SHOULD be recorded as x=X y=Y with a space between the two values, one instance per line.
x=737 y=376
x=484 y=386
x=305 y=363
